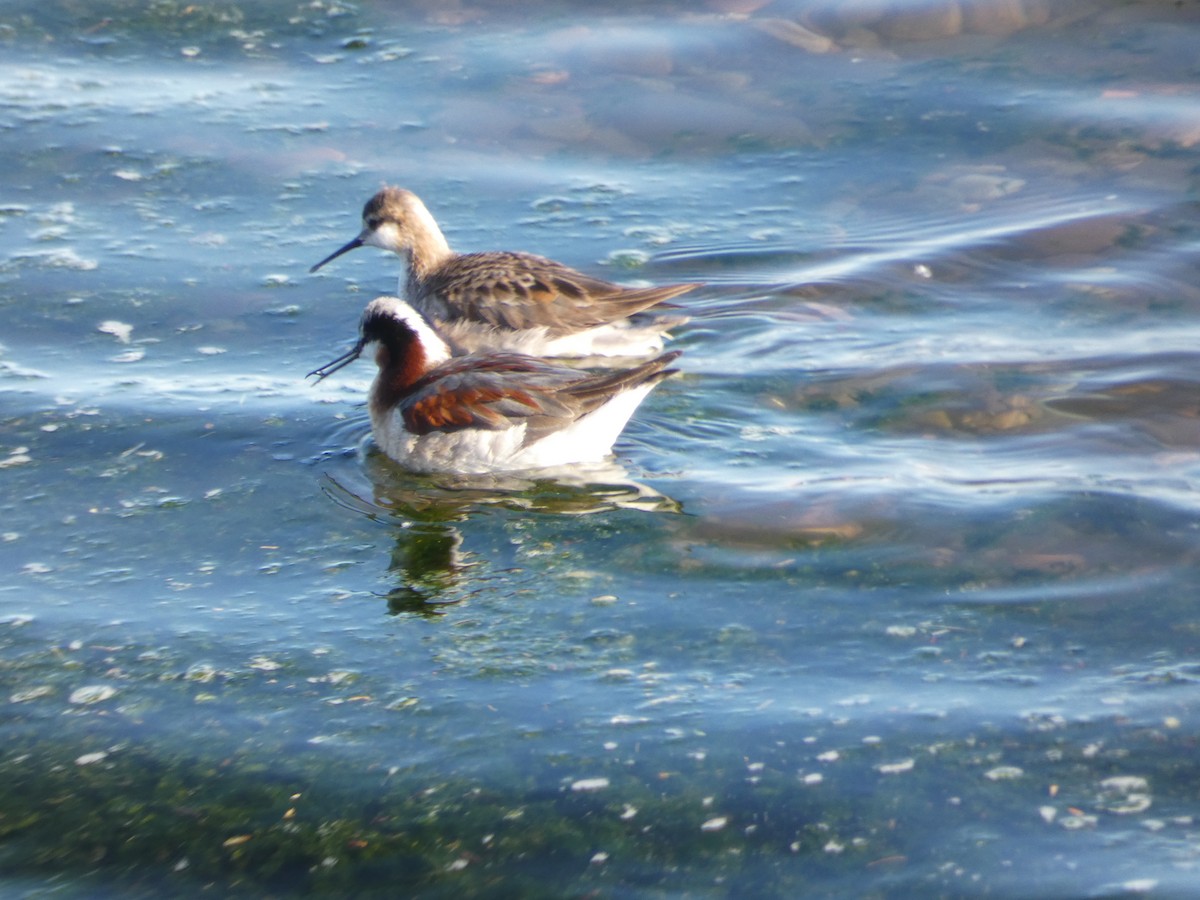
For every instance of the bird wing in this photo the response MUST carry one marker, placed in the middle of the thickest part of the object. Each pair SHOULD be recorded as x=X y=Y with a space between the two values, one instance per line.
x=519 y=291
x=492 y=393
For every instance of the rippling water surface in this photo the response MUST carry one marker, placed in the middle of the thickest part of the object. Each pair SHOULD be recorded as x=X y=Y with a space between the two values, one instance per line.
x=892 y=593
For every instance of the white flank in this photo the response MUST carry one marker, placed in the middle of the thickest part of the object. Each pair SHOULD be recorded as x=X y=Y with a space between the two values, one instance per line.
x=475 y=451
x=617 y=339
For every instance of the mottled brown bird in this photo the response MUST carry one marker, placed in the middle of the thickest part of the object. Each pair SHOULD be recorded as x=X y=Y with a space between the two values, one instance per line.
x=500 y=300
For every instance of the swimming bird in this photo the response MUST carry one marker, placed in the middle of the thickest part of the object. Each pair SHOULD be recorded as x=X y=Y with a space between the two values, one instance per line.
x=499 y=300
x=487 y=412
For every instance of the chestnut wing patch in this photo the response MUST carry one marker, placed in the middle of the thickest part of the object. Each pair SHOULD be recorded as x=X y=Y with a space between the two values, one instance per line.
x=500 y=395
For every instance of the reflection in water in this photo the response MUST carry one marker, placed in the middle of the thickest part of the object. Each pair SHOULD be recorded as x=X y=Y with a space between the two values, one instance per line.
x=427 y=565
x=428 y=560
x=401 y=496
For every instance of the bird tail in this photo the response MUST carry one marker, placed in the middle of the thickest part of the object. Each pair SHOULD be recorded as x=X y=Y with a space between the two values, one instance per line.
x=597 y=390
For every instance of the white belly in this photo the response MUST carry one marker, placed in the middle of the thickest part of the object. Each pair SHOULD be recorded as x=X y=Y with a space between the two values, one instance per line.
x=622 y=338
x=475 y=451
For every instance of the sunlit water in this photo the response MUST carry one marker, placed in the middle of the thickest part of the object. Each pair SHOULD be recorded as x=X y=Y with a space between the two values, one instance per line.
x=892 y=593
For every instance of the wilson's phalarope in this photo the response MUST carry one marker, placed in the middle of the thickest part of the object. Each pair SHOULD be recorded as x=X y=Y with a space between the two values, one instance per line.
x=489 y=412
x=509 y=301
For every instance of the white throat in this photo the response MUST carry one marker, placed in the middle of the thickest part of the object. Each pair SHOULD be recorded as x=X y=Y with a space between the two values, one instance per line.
x=387 y=237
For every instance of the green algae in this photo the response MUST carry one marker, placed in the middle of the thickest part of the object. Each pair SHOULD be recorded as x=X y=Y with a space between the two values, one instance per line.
x=254 y=823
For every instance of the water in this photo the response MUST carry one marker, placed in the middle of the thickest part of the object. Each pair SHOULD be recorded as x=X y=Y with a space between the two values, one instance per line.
x=891 y=594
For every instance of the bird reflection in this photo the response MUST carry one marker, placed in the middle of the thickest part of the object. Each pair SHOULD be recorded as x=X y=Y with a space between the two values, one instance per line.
x=427 y=564
x=428 y=514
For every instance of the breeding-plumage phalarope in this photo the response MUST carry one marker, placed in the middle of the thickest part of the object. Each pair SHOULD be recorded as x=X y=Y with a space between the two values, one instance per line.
x=499 y=300
x=487 y=412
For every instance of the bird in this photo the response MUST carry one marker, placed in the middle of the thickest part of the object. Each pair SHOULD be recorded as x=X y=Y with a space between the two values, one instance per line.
x=501 y=300
x=487 y=412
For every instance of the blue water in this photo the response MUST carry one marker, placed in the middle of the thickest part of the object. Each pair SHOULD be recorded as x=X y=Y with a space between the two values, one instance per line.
x=891 y=593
